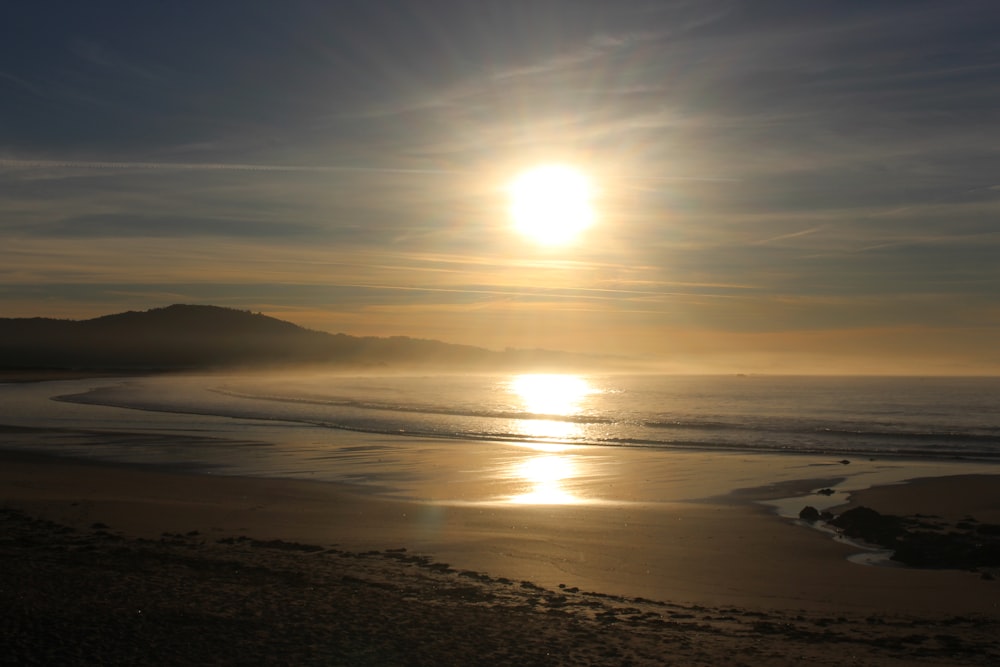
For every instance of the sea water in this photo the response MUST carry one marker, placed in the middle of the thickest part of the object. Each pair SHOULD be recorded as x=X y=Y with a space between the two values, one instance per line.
x=539 y=438
x=936 y=418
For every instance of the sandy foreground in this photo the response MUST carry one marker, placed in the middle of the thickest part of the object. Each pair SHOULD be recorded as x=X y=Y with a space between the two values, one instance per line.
x=103 y=564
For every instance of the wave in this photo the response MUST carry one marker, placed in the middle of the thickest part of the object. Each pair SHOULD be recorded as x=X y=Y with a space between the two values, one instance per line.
x=890 y=432
x=690 y=445
x=836 y=441
x=416 y=409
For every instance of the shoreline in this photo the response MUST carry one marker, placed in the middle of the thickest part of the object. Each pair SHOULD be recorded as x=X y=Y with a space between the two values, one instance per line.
x=437 y=469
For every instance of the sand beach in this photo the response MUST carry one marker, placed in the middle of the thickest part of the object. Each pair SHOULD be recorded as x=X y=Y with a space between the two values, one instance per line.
x=115 y=564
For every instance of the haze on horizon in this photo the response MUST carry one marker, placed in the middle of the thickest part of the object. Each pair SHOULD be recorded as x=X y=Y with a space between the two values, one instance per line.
x=777 y=187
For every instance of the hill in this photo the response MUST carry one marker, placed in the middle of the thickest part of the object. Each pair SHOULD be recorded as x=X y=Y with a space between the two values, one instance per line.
x=211 y=337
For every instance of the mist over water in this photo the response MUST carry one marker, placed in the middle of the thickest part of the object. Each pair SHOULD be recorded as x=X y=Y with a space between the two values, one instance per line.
x=913 y=417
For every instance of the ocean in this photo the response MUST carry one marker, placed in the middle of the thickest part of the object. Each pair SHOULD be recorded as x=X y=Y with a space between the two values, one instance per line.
x=850 y=416
x=549 y=438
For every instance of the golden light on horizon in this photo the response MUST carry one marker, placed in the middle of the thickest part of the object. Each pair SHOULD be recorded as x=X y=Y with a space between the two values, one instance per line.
x=551 y=204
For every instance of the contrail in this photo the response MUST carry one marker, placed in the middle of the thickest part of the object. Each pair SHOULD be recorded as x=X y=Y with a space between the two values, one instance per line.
x=792 y=235
x=202 y=166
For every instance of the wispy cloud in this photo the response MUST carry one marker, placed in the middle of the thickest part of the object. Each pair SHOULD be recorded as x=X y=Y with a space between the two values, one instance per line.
x=790 y=235
x=104 y=57
x=199 y=166
x=21 y=83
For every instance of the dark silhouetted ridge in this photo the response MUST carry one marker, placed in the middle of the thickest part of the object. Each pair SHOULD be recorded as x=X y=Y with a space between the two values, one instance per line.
x=206 y=337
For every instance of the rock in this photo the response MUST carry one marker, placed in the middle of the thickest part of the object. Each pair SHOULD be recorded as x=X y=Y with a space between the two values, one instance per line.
x=810 y=514
x=937 y=545
x=866 y=524
x=826 y=492
x=844 y=461
x=946 y=551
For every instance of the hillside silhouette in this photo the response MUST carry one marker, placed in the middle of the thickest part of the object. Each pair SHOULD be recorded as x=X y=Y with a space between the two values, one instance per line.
x=189 y=337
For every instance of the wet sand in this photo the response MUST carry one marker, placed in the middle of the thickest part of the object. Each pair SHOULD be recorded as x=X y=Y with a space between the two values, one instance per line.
x=953 y=497
x=113 y=564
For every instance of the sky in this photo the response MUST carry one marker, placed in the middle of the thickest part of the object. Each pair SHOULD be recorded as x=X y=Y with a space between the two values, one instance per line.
x=778 y=186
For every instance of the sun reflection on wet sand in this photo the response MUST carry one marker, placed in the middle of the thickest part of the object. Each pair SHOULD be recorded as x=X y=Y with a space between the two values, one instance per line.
x=545 y=473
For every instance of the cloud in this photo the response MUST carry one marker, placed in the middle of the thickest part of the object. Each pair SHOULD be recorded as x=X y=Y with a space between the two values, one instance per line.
x=21 y=83
x=764 y=167
x=104 y=57
x=790 y=235
x=122 y=225
x=12 y=163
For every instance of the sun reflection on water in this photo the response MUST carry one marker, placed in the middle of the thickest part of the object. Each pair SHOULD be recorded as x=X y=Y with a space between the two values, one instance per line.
x=549 y=429
x=551 y=394
x=549 y=397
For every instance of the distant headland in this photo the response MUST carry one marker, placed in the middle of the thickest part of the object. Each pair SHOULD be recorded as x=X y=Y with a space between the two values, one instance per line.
x=204 y=337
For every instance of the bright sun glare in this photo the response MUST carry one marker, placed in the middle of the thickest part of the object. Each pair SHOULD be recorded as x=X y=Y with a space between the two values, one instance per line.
x=551 y=204
x=551 y=394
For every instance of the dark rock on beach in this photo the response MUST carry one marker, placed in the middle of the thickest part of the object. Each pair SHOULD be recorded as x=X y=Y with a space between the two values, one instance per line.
x=866 y=524
x=947 y=551
x=919 y=543
x=810 y=514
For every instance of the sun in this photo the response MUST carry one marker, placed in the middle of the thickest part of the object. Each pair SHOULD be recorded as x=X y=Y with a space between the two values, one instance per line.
x=551 y=204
